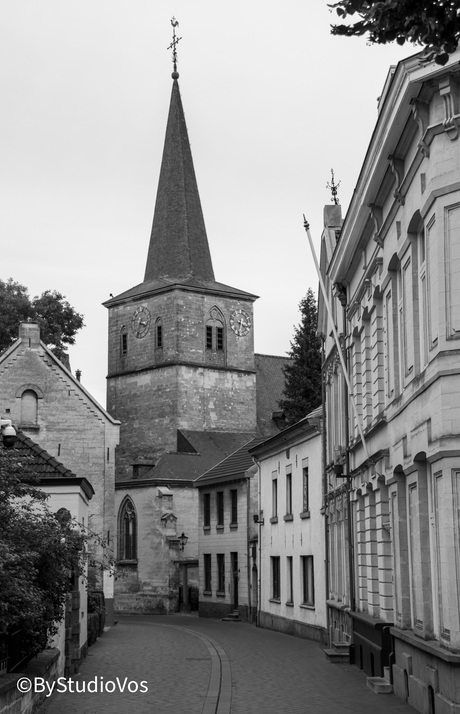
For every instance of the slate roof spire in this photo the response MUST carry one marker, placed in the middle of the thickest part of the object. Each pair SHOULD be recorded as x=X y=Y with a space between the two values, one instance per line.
x=178 y=243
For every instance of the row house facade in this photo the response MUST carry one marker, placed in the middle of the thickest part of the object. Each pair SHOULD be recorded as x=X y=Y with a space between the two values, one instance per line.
x=291 y=530
x=392 y=273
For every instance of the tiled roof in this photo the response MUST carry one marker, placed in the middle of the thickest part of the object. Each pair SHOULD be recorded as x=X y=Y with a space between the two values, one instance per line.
x=159 y=285
x=197 y=452
x=178 y=243
x=269 y=390
x=34 y=463
x=33 y=460
x=232 y=467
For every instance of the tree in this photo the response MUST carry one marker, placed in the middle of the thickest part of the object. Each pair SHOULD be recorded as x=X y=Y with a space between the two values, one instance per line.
x=58 y=320
x=302 y=390
x=434 y=24
x=39 y=550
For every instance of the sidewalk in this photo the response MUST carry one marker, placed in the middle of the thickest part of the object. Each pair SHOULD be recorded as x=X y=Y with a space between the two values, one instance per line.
x=192 y=665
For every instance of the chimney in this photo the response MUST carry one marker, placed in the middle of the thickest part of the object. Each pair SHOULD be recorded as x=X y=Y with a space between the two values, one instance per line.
x=333 y=216
x=29 y=334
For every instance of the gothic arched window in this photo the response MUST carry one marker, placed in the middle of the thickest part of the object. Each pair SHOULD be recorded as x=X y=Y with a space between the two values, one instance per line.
x=215 y=331
x=127 y=529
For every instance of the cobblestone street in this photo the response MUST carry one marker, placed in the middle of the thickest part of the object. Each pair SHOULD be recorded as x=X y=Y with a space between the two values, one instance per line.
x=192 y=665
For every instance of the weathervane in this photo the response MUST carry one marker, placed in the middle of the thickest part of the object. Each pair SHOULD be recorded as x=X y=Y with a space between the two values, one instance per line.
x=173 y=47
x=334 y=188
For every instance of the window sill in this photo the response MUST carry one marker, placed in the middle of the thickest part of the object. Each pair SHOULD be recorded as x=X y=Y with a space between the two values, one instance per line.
x=289 y=603
x=305 y=514
x=288 y=517
x=220 y=528
x=220 y=593
x=307 y=607
x=276 y=600
x=233 y=526
x=274 y=519
x=207 y=593
x=29 y=427
x=206 y=529
x=127 y=562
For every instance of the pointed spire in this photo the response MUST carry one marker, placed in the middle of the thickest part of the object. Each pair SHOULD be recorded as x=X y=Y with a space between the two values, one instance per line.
x=178 y=244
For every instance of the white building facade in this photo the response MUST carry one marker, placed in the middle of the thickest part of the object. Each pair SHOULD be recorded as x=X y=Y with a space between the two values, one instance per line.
x=394 y=277
x=291 y=531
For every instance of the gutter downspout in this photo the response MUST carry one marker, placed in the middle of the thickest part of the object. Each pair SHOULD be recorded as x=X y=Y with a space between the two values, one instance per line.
x=325 y=505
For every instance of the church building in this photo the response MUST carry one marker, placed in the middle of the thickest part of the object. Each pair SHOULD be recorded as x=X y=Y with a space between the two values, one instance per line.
x=185 y=384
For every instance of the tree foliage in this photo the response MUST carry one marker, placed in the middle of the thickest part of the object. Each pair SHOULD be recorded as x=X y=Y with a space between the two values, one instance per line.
x=39 y=551
x=433 y=24
x=302 y=391
x=58 y=320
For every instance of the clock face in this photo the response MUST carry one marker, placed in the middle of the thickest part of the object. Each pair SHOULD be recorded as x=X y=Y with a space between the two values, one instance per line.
x=240 y=322
x=140 y=322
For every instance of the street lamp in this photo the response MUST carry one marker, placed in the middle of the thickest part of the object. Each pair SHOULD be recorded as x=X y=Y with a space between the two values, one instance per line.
x=183 y=540
x=8 y=433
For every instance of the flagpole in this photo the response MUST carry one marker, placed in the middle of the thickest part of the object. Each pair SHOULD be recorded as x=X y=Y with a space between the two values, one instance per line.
x=336 y=337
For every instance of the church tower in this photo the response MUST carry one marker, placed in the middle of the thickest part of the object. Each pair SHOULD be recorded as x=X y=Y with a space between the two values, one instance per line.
x=181 y=347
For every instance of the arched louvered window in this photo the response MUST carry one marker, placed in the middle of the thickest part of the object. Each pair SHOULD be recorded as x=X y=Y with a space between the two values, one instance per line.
x=123 y=341
x=159 y=333
x=127 y=523
x=215 y=331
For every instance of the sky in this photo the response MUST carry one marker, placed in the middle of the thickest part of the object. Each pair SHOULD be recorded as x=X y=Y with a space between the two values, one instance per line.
x=272 y=102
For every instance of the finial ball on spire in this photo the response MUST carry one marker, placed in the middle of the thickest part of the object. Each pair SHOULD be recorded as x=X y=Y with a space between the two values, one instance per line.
x=175 y=75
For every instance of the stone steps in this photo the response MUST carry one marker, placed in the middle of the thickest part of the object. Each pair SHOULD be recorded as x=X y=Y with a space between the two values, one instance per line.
x=338 y=653
x=232 y=617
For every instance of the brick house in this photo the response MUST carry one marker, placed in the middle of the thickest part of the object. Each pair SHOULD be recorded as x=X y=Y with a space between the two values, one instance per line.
x=50 y=406
x=393 y=271
x=73 y=493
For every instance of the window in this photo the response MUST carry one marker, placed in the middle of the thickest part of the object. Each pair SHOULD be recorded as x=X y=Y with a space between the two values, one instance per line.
x=215 y=330
x=289 y=494
x=305 y=491
x=234 y=497
x=275 y=497
x=159 y=333
x=29 y=407
x=308 y=581
x=220 y=508
x=127 y=542
x=221 y=572
x=219 y=338
x=123 y=341
x=207 y=510
x=290 y=591
x=209 y=337
x=207 y=572
x=275 y=568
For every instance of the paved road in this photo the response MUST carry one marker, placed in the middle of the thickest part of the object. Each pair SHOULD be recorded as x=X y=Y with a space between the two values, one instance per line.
x=194 y=665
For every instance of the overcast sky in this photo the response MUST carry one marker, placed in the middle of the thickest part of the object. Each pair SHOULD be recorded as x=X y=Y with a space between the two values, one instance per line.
x=272 y=103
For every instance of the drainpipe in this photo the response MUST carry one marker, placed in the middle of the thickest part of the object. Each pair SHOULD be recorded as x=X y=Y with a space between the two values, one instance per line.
x=248 y=557
x=351 y=560
x=325 y=509
x=259 y=549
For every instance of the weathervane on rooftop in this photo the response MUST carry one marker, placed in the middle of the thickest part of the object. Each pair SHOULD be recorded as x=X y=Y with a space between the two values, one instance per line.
x=173 y=47
x=334 y=188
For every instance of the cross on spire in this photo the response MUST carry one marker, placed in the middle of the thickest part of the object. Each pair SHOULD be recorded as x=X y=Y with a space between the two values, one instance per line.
x=173 y=47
